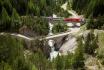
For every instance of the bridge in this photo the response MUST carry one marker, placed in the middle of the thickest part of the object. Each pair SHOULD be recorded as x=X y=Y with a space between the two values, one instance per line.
x=50 y=37
x=32 y=38
x=44 y=38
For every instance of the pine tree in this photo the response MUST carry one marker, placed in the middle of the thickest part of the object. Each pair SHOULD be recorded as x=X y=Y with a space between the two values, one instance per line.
x=39 y=60
x=31 y=8
x=59 y=27
x=78 y=59
x=59 y=63
x=5 y=20
x=12 y=53
x=40 y=26
x=90 y=44
x=4 y=15
x=69 y=5
x=8 y=6
x=5 y=66
x=68 y=61
x=15 y=20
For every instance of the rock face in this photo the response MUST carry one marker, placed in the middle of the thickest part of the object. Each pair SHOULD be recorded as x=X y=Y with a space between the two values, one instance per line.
x=26 y=31
x=58 y=42
x=69 y=45
x=35 y=46
x=71 y=42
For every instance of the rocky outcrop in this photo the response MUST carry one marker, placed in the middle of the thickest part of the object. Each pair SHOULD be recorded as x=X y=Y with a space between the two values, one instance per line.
x=26 y=31
x=69 y=45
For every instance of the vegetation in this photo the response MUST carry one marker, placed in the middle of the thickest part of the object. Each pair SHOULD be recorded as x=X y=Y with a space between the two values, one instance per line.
x=39 y=26
x=15 y=20
x=89 y=7
x=78 y=58
x=97 y=23
x=5 y=20
x=91 y=44
x=23 y=12
x=100 y=50
x=8 y=58
x=20 y=60
x=15 y=14
x=60 y=27
x=93 y=10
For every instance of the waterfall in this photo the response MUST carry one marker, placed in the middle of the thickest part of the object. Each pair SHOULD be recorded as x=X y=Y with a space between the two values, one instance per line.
x=53 y=53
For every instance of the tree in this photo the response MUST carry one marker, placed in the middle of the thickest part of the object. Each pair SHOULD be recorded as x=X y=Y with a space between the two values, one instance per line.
x=14 y=60
x=40 y=26
x=59 y=27
x=39 y=60
x=78 y=59
x=69 y=5
x=89 y=7
x=90 y=44
x=5 y=66
x=31 y=8
x=68 y=61
x=63 y=13
x=7 y=5
x=43 y=3
x=4 y=15
x=5 y=20
x=90 y=24
x=1 y=4
x=59 y=63
x=80 y=5
x=15 y=20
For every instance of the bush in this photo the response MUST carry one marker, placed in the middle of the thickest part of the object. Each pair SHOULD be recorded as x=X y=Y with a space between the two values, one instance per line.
x=78 y=59
x=40 y=26
x=12 y=54
x=4 y=21
x=59 y=63
x=15 y=21
x=39 y=60
x=98 y=23
x=91 y=44
x=37 y=24
x=59 y=27
x=68 y=61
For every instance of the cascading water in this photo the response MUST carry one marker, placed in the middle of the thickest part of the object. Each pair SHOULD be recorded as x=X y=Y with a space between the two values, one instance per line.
x=50 y=28
x=53 y=53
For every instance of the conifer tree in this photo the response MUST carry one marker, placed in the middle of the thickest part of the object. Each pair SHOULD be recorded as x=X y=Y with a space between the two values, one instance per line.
x=31 y=7
x=90 y=44
x=59 y=27
x=68 y=61
x=4 y=15
x=78 y=59
x=12 y=53
x=39 y=60
x=15 y=20
x=8 y=6
x=59 y=63
x=5 y=20
x=69 y=5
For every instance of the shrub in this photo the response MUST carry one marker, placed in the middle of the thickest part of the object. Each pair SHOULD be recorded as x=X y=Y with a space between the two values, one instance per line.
x=59 y=27
x=91 y=44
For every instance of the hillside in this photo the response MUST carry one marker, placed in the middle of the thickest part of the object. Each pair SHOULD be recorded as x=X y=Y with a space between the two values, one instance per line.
x=31 y=38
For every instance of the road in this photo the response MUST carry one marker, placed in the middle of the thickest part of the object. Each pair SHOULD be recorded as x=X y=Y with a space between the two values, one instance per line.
x=18 y=36
x=31 y=38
